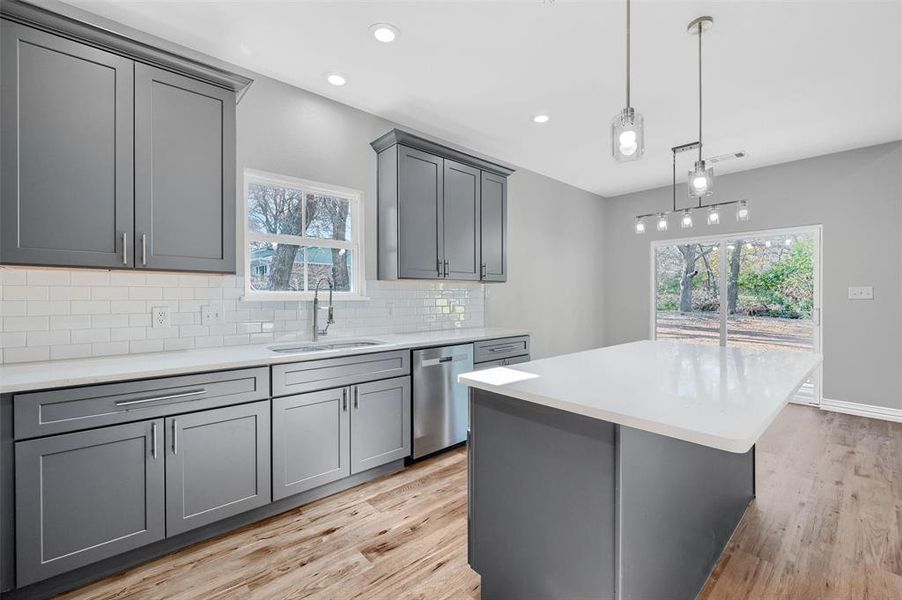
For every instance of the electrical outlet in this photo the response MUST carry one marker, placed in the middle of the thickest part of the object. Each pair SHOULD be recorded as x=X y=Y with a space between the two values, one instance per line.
x=861 y=292
x=210 y=313
x=159 y=316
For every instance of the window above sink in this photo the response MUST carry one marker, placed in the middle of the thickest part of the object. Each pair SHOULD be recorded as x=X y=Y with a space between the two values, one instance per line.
x=298 y=232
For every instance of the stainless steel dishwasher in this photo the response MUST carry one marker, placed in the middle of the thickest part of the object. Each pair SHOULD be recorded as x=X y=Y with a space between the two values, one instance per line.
x=440 y=404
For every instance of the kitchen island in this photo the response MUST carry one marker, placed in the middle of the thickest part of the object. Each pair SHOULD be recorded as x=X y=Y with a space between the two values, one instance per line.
x=619 y=472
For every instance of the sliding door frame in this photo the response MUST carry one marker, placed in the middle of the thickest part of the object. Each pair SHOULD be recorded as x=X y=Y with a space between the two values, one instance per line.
x=815 y=231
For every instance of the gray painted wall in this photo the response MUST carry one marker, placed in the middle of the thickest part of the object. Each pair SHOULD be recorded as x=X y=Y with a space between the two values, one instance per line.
x=856 y=196
x=555 y=271
x=554 y=267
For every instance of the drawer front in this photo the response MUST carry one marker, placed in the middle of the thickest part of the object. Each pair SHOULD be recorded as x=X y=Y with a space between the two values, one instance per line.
x=501 y=362
x=501 y=348
x=296 y=378
x=57 y=411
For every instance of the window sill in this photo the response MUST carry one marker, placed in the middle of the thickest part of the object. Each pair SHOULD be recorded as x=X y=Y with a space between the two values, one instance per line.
x=301 y=296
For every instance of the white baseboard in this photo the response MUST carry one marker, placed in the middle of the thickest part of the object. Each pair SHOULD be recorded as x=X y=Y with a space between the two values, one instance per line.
x=862 y=410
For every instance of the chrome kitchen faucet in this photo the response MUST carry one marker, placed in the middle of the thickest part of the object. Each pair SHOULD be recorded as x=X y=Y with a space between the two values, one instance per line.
x=316 y=330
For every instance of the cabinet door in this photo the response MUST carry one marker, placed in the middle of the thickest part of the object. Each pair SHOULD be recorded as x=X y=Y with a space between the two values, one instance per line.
x=82 y=497
x=420 y=227
x=217 y=465
x=494 y=227
x=461 y=221
x=184 y=173
x=67 y=166
x=310 y=440
x=380 y=423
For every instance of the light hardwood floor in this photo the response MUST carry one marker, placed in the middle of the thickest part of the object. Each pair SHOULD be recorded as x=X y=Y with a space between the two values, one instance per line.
x=827 y=523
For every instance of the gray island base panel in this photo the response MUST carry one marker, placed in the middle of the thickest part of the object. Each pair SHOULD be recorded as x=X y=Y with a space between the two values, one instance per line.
x=567 y=506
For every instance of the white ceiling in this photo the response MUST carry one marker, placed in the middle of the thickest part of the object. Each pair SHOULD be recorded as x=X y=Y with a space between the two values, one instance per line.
x=783 y=80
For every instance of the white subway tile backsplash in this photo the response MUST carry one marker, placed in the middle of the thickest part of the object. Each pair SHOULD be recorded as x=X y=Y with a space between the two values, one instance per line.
x=57 y=314
x=28 y=354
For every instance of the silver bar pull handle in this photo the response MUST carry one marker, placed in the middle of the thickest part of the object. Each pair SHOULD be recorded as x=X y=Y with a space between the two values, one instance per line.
x=438 y=267
x=501 y=348
x=161 y=398
x=175 y=437
x=153 y=436
x=344 y=400
x=356 y=397
x=482 y=271
x=144 y=249
x=124 y=248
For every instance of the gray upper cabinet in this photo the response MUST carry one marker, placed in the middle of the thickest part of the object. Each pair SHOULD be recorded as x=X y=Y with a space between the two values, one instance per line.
x=310 y=441
x=82 y=497
x=420 y=227
x=67 y=163
x=461 y=221
x=493 y=230
x=217 y=464
x=380 y=423
x=432 y=219
x=107 y=161
x=185 y=173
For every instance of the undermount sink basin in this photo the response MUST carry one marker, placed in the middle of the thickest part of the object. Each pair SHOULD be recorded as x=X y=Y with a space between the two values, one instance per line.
x=321 y=346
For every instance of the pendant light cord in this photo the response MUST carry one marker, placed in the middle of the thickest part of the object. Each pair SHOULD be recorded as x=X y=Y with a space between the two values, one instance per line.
x=627 y=53
x=700 y=90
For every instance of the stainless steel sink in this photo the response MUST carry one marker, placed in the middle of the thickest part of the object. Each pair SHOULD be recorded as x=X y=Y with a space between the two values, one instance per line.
x=323 y=346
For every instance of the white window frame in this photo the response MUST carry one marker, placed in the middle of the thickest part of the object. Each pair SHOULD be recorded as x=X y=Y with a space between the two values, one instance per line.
x=355 y=246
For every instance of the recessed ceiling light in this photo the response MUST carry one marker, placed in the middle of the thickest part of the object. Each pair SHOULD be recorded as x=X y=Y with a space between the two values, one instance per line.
x=384 y=32
x=336 y=79
x=540 y=119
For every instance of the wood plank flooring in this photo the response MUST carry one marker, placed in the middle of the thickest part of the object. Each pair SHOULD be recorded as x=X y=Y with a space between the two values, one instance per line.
x=827 y=524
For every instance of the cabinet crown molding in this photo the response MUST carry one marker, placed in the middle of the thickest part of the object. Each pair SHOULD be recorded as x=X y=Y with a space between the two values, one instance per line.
x=399 y=136
x=105 y=38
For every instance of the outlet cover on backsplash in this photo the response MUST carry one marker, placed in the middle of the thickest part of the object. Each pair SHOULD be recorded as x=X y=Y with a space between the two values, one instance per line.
x=48 y=314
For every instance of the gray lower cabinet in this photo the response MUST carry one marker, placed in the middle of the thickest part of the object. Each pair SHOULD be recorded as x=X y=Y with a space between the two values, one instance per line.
x=184 y=173
x=66 y=152
x=380 y=423
x=82 y=497
x=493 y=228
x=310 y=440
x=217 y=464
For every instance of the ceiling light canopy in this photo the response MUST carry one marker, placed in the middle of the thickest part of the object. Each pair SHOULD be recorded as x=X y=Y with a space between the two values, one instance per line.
x=336 y=79
x=540 y=118
x=628 y=127
x=384 y=32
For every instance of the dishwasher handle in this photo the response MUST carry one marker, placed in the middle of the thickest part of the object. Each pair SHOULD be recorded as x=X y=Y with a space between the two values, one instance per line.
x=432 y=362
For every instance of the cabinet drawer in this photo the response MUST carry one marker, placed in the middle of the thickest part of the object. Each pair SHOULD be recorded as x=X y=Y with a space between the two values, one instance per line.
x=501 y=362
x=58 y=411
x=501 y=348
x=315 y=375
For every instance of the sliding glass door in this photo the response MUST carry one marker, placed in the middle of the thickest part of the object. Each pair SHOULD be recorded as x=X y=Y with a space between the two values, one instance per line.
x=755 y=290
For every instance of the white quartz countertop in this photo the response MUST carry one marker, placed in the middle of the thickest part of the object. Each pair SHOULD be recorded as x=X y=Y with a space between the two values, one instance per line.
x=723 y=398
x=84 y=371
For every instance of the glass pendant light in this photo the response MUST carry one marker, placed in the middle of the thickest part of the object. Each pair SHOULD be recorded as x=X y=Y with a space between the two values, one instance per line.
x=742 y=211
x=686 y=221
x=628 y=127
x=701 y=178
x=713 y=216
x=640 y=226
x=662 y=222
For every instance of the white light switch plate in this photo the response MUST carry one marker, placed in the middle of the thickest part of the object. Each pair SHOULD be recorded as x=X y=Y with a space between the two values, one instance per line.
x=861 y=292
